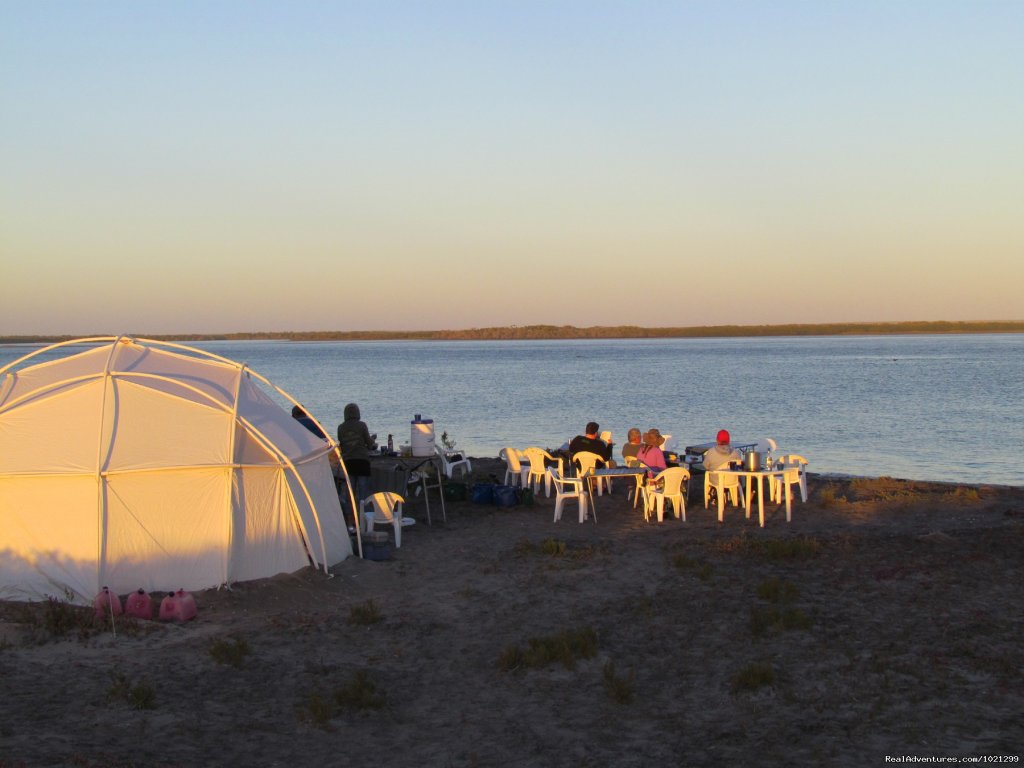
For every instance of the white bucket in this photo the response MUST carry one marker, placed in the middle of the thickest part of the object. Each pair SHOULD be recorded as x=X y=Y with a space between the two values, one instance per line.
x=422 y=436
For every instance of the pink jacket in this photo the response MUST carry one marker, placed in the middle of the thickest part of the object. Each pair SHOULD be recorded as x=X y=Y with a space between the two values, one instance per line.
x=652 y=457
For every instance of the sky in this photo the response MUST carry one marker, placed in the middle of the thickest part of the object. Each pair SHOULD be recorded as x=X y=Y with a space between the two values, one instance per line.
x=222 y=166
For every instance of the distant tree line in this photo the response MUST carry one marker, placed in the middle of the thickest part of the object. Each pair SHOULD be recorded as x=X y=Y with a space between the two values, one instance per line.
x=515 y=332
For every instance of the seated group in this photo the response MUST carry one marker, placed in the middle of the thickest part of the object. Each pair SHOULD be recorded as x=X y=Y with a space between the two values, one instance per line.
x=646 y=448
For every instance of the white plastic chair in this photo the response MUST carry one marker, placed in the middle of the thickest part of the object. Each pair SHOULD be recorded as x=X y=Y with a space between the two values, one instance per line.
x=514 y=471
x=722 y=482
x=638 y=490
x=794 y=473
x=671 y=481
x=586 y=461
x=538 y=469
x=568 y=488
x=387 y=510
x=448 y=465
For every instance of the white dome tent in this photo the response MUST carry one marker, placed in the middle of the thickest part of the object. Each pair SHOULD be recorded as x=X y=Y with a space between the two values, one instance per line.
x=138 y=463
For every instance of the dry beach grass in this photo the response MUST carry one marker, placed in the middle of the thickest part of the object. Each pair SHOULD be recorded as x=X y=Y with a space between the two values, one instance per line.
x=884 y=620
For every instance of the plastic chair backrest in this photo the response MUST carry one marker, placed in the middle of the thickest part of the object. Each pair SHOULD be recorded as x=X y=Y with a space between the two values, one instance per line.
x=565 y=484
x=511 y=457
x=384 y=504
x=722 y=479
x=585 y=461
x=673 y=479
x=792 y=458
x=536 y=457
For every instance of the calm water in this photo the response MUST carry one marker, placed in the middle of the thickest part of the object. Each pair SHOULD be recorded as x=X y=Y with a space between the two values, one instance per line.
x=921 y=407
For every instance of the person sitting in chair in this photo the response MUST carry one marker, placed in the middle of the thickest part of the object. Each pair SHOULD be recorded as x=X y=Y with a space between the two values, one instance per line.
x=651 y=454
x=633 y=444
x=592 y=443
x=722 y=454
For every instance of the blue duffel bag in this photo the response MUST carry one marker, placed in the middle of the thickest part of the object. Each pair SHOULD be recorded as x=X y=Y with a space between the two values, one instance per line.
x=505 y=496
x=482 y=493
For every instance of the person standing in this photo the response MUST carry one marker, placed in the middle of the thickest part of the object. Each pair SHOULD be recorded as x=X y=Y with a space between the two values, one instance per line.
x=356 y=442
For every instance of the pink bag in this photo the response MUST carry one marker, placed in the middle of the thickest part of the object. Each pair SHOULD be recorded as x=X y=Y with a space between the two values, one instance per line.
x=139 y=604
x=178 y=606
x=106 y=603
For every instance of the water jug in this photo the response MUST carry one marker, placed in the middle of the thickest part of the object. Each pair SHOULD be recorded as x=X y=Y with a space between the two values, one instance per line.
x=139 y=604
x=422 y=436
x=106 y=603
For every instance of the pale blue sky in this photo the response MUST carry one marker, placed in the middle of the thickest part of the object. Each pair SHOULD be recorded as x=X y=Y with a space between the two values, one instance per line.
x=233 y=166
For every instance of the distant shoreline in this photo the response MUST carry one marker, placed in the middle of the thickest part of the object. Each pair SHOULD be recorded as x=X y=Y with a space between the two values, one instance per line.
x=543 y=332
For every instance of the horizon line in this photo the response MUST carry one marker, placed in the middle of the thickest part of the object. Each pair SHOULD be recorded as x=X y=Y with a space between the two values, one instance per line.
x=550 y=331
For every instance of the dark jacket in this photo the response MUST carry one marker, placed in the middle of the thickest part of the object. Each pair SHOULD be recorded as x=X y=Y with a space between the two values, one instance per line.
x=353 y=436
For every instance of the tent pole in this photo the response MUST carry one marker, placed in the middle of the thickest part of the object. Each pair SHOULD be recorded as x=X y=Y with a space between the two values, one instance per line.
x=101 y=500
x=229 y=491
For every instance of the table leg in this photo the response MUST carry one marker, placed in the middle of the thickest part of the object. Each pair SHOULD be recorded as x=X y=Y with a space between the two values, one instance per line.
x=750 y=488
x=760 y=499
x=789 y=503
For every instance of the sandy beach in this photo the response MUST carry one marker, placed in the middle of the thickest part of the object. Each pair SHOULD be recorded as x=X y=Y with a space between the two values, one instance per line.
x=884 y=620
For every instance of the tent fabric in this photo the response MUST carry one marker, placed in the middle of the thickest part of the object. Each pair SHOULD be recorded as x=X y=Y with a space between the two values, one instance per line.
x=136 y=463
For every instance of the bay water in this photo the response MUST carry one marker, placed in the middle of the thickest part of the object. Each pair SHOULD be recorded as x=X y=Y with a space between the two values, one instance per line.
x=944 y=407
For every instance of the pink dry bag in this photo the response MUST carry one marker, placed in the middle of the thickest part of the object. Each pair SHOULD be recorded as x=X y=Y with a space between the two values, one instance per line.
x=186 y=605
x=106 y=603
x=139 y=604
x=169 y=608
x=178 y=606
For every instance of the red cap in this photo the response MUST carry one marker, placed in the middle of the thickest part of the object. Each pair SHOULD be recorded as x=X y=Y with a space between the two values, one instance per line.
x=723 y=436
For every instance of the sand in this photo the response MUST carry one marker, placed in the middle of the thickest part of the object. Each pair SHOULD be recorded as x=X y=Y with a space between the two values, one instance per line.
x=885 y=620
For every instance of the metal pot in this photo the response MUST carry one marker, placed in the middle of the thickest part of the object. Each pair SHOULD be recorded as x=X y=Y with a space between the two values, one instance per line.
x=752 y=461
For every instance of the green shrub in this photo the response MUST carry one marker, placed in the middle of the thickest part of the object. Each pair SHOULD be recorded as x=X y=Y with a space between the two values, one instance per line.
x=699 y=568
x=753 y=676
x=359 y=693
x=553 y=547
x=57 y=618
x=566 y=648
x=773 y=620
x=140 y=696
x=827 y=497
x=964 y=495
x=365 y=614
x=775 y=590
x=230 y=652
x=799 y=548
x=791 y=549
x=320 y=709
x=618 y=687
